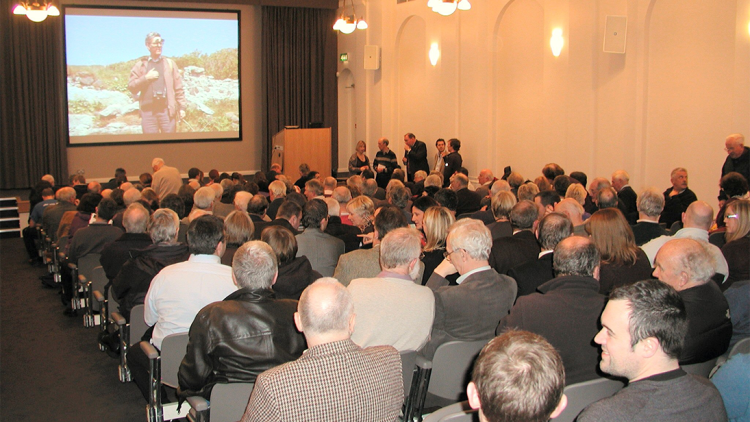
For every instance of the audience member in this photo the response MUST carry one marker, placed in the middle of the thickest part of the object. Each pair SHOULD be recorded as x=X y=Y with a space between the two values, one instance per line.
x=295 y=272
x=650 y=205
x=551 y=229
x=166 y=179
x=66 y=201
x=385 y=303
x=471 y=310
x=545 y=200
x=288 y=216
x=323 y=250
x=453 y=161
x=572 y=209
x=415 y=156
x=447 y=198
x=468 y=201
x=738 y=157
x=238 y=229
x=643 y=326
x=277 y=193
x=737 y=249
x=518 y=376
x=347 y=233
x=508 y=252
x=501 y=205
x=622 y=261
x=566 y=310
x=687 y=266
x=180 y=290
x=676 y=198
x=334 y=379
x=136 y=237
x=436 y=223
x=248 y=332
x=384 y=163
x=626 y=195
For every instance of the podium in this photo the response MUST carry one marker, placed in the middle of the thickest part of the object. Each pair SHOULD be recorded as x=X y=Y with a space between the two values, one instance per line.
x=292 y=147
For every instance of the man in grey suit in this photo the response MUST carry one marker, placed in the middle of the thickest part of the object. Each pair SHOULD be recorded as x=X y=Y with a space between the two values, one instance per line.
x=365 y=263
x=323 y=250
x=481 y=298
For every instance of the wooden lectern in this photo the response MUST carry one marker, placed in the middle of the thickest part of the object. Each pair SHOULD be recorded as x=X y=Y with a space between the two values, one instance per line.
x=292 y=147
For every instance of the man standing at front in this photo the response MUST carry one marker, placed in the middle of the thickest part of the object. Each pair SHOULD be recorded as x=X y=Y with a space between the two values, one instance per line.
x=738 y=156
x=643 y=327
x=166 y=179
x=159 y=84
x=415 y=156
x=334 y=380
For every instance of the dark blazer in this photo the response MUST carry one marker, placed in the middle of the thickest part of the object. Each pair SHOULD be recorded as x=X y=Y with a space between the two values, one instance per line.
x=628 y=197
x=500 y=229
x=530 y=275
x=485 y=217
x=709 y=323
x=117 y=253
x=416 y=159
x=468 y=201
x=273 y=207
x=453 y=162
x=508 y=252
x=611 y=276
x=674 y=206
x=277 y=222
x=471 y=310
x=566 y=313
x=344 y=232
x=645 y=231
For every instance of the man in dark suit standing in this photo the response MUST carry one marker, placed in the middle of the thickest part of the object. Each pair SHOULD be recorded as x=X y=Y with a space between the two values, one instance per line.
x=415 y=156
x=481 y=298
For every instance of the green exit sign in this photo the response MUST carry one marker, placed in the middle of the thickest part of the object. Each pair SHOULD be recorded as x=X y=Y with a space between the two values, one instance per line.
x=344 y=57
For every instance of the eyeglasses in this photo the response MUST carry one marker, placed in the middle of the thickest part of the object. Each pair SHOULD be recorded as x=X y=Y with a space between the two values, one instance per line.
x=728 y=216
x=155 y=43
x=447 y=255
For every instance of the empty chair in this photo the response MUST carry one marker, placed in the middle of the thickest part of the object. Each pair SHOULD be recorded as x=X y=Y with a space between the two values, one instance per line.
x=457 y=412
x=584 y=393
x=228 y=403
x=163 y=369
x=408 y=368
x=96 y=281
x=130 y=334
x=443 y=380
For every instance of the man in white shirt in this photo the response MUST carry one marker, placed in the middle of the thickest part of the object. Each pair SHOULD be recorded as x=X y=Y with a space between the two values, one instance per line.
x=180 y=290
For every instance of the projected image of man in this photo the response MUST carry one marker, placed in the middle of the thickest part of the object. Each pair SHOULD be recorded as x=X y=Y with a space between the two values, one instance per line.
x=158 y=84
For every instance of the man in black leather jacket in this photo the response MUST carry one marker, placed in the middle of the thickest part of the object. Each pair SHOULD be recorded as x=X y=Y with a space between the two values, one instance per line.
x=245 y=334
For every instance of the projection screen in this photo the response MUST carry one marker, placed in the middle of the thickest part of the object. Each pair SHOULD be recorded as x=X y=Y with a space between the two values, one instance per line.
x=151 y=75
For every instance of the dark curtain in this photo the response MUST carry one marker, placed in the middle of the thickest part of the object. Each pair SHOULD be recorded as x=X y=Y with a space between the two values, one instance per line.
x=32 y=134
x=299 y=73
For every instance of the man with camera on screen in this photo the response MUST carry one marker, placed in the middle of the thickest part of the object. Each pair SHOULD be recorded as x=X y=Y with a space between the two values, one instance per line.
x=158 y=85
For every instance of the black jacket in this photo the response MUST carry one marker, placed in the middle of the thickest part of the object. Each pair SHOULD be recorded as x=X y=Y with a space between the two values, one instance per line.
x=293 y=277
x=132 y=283
x=238 y=338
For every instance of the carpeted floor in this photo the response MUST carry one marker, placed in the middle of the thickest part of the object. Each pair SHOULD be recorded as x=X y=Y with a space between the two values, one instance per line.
x=50 y=366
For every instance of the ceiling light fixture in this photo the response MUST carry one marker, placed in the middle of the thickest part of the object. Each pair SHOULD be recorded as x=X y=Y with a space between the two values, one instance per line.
x=36 y=12
x=348 y=23
x=447 y=7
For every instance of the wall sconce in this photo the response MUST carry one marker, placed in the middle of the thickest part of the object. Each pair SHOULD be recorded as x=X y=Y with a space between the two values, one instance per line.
x=748 y=27
x=556 y=42
x=434 y=53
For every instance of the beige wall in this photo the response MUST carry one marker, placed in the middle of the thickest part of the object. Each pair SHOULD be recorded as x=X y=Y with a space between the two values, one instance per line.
x=681 y=87
x=243 y=156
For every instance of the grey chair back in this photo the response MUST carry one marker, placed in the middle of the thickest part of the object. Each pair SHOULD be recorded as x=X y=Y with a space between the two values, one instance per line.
x=742 y=346
x=408 y=363
x=702 y=369
x=98 y=281
x=173 y=348
x=87 y=263
x=228 y=401
x=457 y=412
x=451 y=368
x=138 y=326
x=584 y=393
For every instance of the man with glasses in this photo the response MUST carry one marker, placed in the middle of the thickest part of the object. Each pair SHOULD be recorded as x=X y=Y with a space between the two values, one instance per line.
x=738 y=157
x=472 y=309
x=158 y=84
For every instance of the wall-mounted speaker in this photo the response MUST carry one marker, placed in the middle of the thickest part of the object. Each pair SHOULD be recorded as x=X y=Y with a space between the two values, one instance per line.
x=615 y=34
x=372 y=57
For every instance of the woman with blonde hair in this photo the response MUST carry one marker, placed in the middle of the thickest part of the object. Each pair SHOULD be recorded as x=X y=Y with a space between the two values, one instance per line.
x=737 y=249
x=238 y=229
x=359 y=161
x=361 y=210
x=622 y=262
x=436 y=222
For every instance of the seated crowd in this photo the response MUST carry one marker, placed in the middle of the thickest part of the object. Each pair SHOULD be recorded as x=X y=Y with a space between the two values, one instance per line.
x=311 y=288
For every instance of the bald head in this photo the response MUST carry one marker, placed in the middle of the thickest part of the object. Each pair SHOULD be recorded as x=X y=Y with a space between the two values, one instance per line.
x=325 y=311
x=699 y=215
x=572 y=209
x=684 y=263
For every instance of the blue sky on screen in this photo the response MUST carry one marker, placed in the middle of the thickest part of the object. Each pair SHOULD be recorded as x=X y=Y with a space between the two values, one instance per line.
x=103 y=40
